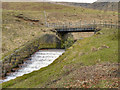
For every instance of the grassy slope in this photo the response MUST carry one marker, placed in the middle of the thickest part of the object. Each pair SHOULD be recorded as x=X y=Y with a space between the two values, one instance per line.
x=16 y=31
x=112 y=6
x=80 y=54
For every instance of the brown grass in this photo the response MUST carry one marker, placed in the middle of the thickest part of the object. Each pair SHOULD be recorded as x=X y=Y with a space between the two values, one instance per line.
x=16 y=31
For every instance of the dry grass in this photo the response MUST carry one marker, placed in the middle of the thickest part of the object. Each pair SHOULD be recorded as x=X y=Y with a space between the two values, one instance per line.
x=17 y=31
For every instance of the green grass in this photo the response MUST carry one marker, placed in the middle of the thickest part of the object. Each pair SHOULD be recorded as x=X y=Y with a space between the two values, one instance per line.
x=70 y=60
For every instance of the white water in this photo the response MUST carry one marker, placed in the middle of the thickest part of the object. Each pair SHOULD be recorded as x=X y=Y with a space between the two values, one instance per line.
x=40 y=59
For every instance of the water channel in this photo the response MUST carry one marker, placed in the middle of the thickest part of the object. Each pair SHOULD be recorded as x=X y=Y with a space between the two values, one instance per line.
x=40 y=59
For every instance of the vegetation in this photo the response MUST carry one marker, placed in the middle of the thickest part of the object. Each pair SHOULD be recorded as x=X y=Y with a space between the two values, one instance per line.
x=65 y=71
x=100 y=5
x=20 y=30
x=17 y=31
x=69 y=42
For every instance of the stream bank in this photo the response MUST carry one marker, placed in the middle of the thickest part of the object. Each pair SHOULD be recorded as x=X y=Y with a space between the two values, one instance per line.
x=40 y=59
x=47 y=41
x=18 y=56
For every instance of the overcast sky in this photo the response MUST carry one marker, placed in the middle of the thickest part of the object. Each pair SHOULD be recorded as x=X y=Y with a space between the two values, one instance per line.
x=79 y=1
x=86 y=1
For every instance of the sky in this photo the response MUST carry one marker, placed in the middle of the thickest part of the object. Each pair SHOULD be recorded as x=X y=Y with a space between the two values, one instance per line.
x=86 y=1
x=78 y=1
x=83 y=1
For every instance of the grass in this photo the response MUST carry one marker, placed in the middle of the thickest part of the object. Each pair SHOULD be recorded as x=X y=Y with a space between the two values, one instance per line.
x=16 y=31
x=80 y=54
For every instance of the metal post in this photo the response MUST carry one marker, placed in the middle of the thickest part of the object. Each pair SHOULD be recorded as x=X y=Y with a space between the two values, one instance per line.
x=80 y=23
x=48 y=25
x=93 y=23
x=58 y=25
x=111 y=23
x=69 y=26
x=45 y=18
x=94 y=32
x=100 y=23
x=85 y=22
x=105 y=23
x=63 y=26
x=116 y=25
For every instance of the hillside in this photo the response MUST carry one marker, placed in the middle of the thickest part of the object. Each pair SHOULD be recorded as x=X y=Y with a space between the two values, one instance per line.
x=107 y=6
x=89 y=63
x=95 y=57
x=19 y=24
x=107 y=0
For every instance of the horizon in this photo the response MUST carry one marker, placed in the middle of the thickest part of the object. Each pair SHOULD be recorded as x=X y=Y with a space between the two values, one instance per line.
x=80 y=1
x=74 y=1
x=77 y=1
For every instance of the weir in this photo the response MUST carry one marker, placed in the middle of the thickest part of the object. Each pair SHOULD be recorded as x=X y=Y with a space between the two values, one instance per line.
x=18 y=56
x=46 y=41
x=40 y=59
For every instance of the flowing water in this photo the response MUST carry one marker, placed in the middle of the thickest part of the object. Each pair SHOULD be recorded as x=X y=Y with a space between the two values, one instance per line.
x=40 y=59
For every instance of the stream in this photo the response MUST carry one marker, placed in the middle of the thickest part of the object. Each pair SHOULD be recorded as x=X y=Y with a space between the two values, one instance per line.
x=40 y=59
